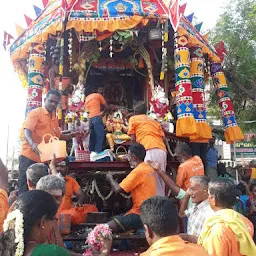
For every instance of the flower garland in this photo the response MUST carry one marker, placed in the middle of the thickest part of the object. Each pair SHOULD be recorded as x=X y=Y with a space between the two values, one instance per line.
x=164 y=50
x=61 y=61
x=125 y=196
x=100 y=48
x=70 y=51
x=95 y=187
x=94 y=239
x=18 y=227
x=111 y=47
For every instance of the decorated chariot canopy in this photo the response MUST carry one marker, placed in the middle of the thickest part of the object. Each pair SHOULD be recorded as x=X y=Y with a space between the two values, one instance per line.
x=98 y=20
x=101 y=15
x=87 y=16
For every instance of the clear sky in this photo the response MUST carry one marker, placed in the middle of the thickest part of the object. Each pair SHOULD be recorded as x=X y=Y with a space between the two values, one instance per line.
x=13 y=96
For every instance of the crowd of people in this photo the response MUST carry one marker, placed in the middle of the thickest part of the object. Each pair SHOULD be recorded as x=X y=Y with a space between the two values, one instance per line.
x=208 y=205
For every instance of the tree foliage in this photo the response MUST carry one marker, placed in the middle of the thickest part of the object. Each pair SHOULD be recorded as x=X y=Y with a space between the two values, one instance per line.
x=237 y=28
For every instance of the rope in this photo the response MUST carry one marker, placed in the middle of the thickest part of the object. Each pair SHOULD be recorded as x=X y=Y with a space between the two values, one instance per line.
x=87 y=72
x=135 y=67
x=145 y=55
x=155 y=55
x=169 y=149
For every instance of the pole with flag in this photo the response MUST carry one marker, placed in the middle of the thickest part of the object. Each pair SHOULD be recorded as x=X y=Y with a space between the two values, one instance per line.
x=19 y=30
x=28 y=20
x=37 y=10
x=182 y=9
x=45 y=2
x=190 y=17
x=199 y=26
x=174 y=14
x=173 y=11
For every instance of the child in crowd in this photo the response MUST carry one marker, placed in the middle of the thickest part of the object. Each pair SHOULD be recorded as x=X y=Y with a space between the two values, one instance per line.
x=80 y=141
x=251 y=206
x=82 y=126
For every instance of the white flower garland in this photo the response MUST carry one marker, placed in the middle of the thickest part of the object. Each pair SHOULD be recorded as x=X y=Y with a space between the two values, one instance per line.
x=9 y=223
x=125 y=196
x=95 y=187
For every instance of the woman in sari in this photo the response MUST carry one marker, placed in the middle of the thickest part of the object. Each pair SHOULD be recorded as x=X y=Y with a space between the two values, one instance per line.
x=27 y=228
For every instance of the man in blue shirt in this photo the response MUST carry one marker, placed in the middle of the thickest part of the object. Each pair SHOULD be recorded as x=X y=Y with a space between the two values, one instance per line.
x=212 y=160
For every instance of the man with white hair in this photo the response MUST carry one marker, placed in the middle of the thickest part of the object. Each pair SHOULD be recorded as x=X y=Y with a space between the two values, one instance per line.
x=34 y=173
x=54 y=185
x=200 y=210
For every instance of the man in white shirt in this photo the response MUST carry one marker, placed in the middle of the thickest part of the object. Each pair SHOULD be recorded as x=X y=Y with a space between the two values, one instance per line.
x=200 y=210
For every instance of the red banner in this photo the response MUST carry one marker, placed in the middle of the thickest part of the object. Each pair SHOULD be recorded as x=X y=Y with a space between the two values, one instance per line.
x=174 y=12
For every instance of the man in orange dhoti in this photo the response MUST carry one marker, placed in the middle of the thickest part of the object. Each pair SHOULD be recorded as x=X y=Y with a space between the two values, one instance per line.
x=149 y=133
x=71 y=188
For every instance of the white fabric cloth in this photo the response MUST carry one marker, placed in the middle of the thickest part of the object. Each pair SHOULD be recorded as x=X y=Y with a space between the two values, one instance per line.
x=160 y=156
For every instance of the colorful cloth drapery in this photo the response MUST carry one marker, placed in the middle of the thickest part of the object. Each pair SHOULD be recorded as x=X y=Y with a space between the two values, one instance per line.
x=195 y=38
x=232 y=130
x=111 y=15
x=49 y=22
x=197 y=80
x=186 y=124
x=35 y=77
x=87 y=16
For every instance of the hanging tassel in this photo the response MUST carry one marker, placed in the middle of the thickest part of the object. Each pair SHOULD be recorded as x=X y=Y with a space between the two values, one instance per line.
x=111 y=47
x=232 y=130
x=70 y=48
x=204 y=131
x=186 y=124
x=164 y=50
x=61 y=67
x=100 y=48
